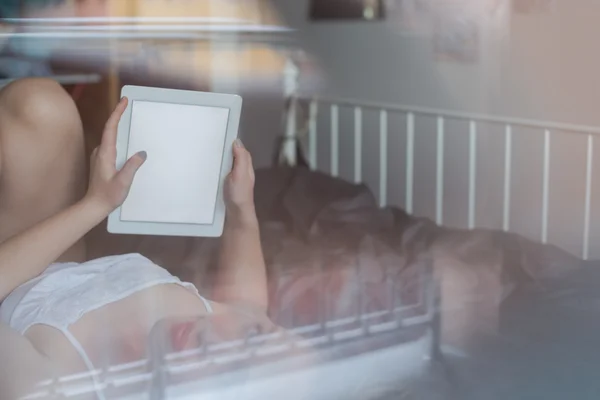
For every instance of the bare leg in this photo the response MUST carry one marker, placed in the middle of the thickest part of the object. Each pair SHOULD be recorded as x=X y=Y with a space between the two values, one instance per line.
x=42 y=156
x=42 y=171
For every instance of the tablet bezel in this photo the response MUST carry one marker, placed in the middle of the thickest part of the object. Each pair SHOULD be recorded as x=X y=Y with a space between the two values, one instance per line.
x=185 y=97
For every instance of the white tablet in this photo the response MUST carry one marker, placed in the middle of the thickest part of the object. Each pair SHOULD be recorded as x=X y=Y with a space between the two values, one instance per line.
x=188 y=137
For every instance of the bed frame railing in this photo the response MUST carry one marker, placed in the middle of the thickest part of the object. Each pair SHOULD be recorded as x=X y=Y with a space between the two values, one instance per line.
x=547 y=129
x=392 y=325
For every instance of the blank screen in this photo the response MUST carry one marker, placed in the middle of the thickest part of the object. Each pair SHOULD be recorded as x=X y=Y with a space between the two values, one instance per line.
x=179 y=181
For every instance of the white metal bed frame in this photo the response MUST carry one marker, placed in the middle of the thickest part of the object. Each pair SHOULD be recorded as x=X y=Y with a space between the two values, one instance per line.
x=442 y=116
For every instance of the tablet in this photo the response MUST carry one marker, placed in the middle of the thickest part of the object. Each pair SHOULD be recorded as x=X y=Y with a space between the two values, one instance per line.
x=188 y=137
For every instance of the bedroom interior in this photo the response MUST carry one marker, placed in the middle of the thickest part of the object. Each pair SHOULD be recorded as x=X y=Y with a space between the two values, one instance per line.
x=426 y=184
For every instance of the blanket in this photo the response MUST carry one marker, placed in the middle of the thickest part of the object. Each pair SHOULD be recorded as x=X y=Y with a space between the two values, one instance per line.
x=525 y=314
x=326 y=240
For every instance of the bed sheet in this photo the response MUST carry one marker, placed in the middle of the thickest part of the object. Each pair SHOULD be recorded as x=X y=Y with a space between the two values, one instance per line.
x=325 y=239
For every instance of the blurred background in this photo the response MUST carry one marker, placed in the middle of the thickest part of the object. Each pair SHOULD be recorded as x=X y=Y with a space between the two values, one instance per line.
x=95 y=46
x=413 y=98
x=517 y=58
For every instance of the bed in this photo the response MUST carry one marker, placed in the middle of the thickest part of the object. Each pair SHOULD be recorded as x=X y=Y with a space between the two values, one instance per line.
x=379 y=288
x=421 y=300
x=338 y=262
x=522 y=310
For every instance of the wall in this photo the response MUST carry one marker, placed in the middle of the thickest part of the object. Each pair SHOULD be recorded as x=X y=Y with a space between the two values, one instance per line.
x=539 y=66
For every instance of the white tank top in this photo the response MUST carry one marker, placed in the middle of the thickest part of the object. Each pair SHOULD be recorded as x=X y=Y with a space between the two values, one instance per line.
x=65 y=292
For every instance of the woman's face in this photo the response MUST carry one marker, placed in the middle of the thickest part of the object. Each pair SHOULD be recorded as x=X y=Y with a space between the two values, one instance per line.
x=129 y=343
x=226 y=325
x=230 y=341
x=196 y=348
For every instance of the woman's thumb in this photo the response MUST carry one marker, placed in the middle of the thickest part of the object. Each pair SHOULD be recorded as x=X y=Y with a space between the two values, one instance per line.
x=127 y=173
x=241 y=158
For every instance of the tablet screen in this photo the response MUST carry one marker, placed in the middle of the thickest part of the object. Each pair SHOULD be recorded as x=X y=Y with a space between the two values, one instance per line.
x=179 y=181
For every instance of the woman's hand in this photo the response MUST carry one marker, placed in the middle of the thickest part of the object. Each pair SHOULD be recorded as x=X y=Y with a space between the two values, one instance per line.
x=108 y=187
x=239 y=186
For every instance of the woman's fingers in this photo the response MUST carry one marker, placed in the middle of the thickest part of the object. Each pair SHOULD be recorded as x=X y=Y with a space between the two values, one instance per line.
x=109 y=135
x=242 y=161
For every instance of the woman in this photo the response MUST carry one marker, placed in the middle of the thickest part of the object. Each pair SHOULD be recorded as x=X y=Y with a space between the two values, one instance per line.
x=61 y=314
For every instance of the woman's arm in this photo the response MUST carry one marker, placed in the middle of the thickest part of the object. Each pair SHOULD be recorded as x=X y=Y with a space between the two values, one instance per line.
x=241 y=277
x=26 y=255
x=22 y=367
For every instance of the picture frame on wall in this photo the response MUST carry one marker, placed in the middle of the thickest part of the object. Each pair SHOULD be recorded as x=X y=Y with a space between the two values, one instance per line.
x=347 y=10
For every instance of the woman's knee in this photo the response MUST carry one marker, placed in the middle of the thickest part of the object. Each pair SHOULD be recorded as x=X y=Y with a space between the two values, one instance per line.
x=39 y=121
x=42 y=151
x=41 y=104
